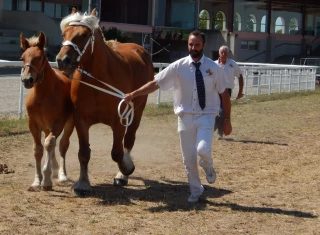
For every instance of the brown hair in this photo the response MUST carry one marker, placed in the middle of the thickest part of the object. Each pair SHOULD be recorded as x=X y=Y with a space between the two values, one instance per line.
x=197 y=33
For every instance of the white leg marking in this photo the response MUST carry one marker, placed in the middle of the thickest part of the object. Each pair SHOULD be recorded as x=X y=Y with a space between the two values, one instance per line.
x=49 y=145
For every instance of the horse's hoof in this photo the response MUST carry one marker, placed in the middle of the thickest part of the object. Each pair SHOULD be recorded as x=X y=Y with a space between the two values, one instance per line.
x=46 y=188
x=34 y=188
x=126 y=171
x=81 y=192
x=120 y=182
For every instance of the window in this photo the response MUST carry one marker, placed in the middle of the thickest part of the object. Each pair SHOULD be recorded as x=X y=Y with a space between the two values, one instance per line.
x=35 y=6
x=251 y=23
x=250 y=45
x=22 y=5
x=293 y=26
x=129 y=12
x=251 y=13
x=220 y=21
x=49 y=9
x=282 y=14
x=236 y=22
x=204 y=20
x=263 y=24
x=280 y=25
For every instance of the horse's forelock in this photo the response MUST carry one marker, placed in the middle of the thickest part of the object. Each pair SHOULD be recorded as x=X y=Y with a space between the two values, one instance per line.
x=34 y=41
x=93 y=21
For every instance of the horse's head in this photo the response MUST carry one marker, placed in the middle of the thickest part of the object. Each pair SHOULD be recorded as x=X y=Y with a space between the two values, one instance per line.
x=78 y=40
x=34 y=59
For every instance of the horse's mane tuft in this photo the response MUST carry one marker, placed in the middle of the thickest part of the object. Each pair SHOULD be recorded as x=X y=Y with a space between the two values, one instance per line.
x=33 y=41
x=111 y=43
x=91 y=20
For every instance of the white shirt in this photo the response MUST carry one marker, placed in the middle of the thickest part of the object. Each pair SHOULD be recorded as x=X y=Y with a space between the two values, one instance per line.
x=232 y=70
x=180 y=75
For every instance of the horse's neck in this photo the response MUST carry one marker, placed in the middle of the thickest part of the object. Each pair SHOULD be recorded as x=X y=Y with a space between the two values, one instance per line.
x=101 y=56
x=48 y=78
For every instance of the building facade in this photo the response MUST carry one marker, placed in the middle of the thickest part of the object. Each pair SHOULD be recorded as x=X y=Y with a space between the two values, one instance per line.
x=255 y=31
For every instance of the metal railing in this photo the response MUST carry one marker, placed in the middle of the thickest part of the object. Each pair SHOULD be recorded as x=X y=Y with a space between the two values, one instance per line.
x=258 y=79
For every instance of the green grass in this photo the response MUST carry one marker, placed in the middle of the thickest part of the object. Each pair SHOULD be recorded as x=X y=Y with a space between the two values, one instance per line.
x=13 y=127
x=167 y=108
x=280 y=96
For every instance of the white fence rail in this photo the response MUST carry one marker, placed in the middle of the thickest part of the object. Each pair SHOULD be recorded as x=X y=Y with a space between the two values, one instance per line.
x=258 y=79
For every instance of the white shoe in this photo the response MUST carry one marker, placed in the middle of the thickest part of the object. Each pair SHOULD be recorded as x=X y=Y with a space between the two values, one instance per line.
x=210 y=174
x=193 y=198
x=220 y=137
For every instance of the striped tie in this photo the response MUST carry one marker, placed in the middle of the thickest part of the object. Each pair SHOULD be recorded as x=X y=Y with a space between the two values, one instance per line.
x=200 y=86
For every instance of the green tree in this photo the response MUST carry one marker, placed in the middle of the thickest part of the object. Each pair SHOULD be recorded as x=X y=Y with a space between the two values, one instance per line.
x=115 y=34
x=203 y=20
x=293 y=24
x=249 y=23
x=235 y=22
x=218 y=21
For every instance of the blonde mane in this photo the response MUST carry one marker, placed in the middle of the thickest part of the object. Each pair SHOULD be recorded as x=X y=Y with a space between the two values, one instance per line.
x=111 y=44
x=34 y=41
x=91 y=20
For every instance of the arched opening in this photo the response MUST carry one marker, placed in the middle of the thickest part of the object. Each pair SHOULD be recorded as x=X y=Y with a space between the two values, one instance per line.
x=279 y=25
x=204 y=20
x=263 y=24
x=251 y=23
x=236 y=22
x=293 y=26
x=220 y=21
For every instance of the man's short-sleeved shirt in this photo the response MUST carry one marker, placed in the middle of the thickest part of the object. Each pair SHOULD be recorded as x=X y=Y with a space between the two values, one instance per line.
x=232 y=70
x=180 y=75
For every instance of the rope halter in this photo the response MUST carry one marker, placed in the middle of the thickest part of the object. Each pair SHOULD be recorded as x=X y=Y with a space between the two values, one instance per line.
x=90 y=40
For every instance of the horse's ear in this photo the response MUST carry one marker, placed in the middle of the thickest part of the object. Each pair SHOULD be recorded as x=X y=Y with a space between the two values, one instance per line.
x=42 y=40
x=24 y=44
x=74 y=10
x=94 y=12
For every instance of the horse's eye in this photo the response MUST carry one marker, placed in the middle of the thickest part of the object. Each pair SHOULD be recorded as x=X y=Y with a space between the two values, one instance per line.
x=84 y=36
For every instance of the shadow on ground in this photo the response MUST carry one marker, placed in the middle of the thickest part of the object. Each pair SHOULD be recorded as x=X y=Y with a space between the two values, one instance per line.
x=254 y=142
x=172 y=196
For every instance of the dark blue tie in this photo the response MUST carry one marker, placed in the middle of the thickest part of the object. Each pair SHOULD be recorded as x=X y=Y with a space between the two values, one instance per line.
x=200 y=86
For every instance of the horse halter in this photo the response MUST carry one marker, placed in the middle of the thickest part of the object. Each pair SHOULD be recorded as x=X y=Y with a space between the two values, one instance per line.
x=75 y=47
x=40 y=73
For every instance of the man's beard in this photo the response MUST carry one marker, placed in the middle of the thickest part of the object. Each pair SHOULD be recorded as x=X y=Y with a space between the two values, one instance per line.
x=195 y=54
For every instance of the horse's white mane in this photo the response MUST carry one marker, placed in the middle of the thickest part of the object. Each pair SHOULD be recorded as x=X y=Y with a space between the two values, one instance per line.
x=33 y=41
x=91 y=20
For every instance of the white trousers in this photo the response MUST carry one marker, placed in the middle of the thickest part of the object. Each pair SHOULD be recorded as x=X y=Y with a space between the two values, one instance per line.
x=196 y=134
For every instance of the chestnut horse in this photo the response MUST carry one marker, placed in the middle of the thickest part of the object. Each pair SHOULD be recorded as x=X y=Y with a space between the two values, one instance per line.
x=49 y=109
x=91 y=61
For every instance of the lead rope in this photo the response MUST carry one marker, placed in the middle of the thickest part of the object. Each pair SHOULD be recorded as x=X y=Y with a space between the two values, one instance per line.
x=127 y=111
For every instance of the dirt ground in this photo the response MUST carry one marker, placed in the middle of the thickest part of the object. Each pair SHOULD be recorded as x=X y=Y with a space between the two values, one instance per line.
x=268 y=180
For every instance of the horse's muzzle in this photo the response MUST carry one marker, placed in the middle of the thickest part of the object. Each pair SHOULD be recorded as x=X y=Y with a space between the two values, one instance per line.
x=66 y=65
x=28 y=82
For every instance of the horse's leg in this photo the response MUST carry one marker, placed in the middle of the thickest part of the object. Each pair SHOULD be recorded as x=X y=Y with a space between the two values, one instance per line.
x=54 y=165
x=82 y=186
x=63 y=148
x=129 y=139
x=120 y=156
x=38 y=153
x=130 y=135
x=49 y=145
